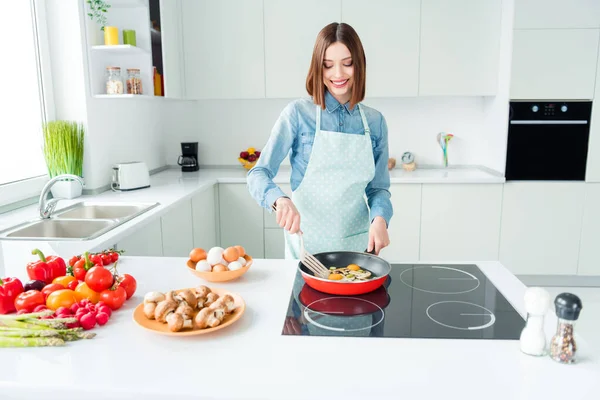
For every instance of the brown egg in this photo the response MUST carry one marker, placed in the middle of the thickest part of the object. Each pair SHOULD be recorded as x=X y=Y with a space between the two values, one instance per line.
x=231 y=254
x=219 y=268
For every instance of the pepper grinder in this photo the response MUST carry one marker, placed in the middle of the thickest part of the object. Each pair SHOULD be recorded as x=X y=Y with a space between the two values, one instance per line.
x=533 y=338
x=563 y=348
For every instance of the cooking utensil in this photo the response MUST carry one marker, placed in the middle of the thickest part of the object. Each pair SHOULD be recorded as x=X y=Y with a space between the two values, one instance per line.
x=312 y=263
x=343 y=305
x=163 y=329
x=376 y=265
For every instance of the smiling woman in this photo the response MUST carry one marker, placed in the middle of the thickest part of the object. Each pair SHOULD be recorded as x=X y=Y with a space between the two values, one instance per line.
x=338 y=150
x=22 y=168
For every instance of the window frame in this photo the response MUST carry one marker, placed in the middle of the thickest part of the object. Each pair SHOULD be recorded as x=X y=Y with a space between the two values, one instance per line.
x=14 y=192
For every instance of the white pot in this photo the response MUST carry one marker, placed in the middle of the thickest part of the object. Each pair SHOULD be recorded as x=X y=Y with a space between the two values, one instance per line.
x=66 y=189
x=94 y=33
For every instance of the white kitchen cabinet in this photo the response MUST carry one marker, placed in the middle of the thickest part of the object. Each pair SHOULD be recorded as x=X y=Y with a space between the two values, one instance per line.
x=145 y=241
x=554 y=64
x=204 y=217
x=291 y=29
x=274 y=243
x=241 y=219
x=389 y=32
x=405 y=226
x=224 y=49
x=557 y=14
x=172 y=48
x=177 y=230
x=460 y=47
x=590 y=232
x=541 y=227
x=592 y=172
x=460 y=222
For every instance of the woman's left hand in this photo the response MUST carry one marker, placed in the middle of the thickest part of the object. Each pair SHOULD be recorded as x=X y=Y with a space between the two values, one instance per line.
x=378 y=235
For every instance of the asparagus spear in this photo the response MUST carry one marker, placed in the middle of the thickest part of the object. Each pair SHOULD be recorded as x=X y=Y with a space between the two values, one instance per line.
x=15 y=332
x=30 y=342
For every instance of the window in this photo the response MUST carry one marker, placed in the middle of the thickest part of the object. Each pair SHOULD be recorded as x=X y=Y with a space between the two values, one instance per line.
x=22 y=167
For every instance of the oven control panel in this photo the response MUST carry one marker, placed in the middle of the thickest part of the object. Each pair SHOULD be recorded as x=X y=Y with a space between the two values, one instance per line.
x=550 y=110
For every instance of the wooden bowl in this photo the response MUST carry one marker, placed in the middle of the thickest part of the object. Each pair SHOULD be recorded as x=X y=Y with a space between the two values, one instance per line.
x=223 y=276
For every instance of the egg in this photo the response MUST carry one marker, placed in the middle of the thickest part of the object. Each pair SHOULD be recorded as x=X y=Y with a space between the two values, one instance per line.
x=204 y=266
x=235 y=265
x=215 y=255
x=231 y=254
x=335 y=277
x=242 y=261
x=220 y=268
x=353 y=267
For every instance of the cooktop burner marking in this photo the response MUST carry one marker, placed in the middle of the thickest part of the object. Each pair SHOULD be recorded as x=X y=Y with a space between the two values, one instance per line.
x=331 y=328
x=469 y=277
x=470 y=328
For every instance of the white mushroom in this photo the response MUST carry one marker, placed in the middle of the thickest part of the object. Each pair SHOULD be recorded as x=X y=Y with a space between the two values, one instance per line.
x=175 y=322
x=163 y=309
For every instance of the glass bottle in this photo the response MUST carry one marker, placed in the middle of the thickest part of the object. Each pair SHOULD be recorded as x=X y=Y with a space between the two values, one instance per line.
x=563 y=348
x=134 y=81
x=114 y=83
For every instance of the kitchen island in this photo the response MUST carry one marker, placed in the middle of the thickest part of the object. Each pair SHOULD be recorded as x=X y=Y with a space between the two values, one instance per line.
x=251 y=359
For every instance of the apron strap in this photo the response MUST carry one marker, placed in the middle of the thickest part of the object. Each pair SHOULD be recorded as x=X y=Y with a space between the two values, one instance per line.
x=318 y=123
x=364 y=120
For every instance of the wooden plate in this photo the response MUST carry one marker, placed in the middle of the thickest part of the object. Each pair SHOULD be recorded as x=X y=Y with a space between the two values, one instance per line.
x=163 y=329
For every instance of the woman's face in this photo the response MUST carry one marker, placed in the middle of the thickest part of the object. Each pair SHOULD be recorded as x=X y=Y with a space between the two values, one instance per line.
x=338 y=71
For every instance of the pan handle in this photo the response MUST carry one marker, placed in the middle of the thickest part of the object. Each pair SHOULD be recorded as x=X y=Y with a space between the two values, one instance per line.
x=370 y=252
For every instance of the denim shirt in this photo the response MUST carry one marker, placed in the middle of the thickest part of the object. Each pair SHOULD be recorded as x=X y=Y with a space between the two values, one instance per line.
x=294 y=134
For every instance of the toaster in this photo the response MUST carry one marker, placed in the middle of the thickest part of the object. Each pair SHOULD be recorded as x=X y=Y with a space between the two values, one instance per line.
x=130 y=176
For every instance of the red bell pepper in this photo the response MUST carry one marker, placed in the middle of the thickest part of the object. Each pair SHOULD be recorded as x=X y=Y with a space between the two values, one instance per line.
x=10 y=288
x=47 y=268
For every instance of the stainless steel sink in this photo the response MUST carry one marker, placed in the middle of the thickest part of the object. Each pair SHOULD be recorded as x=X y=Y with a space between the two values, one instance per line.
x=97 y=210
x=46 y=229
x=80 y=221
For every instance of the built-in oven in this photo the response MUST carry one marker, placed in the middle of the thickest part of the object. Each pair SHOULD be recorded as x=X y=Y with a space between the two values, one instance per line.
x=548 y=140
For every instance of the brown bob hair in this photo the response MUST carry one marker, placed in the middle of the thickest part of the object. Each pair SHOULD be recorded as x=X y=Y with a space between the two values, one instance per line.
x=343 y=33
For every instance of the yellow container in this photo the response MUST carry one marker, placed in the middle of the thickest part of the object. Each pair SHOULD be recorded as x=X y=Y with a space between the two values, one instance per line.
x=111 y=35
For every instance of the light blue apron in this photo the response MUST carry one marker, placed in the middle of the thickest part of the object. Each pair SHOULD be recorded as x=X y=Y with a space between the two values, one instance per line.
x=331 y=199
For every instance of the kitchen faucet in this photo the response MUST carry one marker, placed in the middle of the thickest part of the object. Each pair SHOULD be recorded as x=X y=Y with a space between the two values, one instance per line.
x=47 y=207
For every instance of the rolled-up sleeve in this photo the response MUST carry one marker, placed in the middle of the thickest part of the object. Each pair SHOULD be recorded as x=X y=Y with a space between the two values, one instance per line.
x=378 y=190
x=260 y=178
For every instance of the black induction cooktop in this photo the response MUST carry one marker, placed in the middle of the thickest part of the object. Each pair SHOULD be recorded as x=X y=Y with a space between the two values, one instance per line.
x=417 y=301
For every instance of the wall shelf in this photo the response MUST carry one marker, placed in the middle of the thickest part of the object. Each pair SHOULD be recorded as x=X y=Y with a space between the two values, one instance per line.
x=119 y=49
x=128 y=3
x=126 y=96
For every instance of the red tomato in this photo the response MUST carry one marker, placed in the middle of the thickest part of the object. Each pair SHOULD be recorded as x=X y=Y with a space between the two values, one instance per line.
x=98 y=279
x=29 y=300
x=79 y=273
x=128 y=283
x=114 y=299
x=115 y=256
x=106 y=259
x=96 y=259
x=73 y=284
x=73 y=260
x=53 y=287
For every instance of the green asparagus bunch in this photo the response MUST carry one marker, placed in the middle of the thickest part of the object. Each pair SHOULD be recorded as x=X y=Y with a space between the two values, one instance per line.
x=26 y=330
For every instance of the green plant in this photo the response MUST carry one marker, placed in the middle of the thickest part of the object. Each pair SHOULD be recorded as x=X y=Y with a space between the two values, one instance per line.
x=98 y=9
x=63 y=147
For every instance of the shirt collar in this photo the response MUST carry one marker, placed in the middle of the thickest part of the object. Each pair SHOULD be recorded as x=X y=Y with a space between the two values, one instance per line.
x=332 y=104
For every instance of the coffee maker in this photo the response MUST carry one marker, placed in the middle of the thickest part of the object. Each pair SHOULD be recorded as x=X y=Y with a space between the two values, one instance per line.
x=189 y=157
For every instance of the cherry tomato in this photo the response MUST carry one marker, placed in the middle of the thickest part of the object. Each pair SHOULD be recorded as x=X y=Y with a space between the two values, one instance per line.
x=52 y=287
x=83 y=291
x=114 y=298
x=99 y=279
x=96 y=259
x=106 y=259
x=64 y=280
x=115 y=256
x=73 y=260
x=128 y=283
x=79 y=273
x=61 y=298
x=73 y=284
x=29 y=300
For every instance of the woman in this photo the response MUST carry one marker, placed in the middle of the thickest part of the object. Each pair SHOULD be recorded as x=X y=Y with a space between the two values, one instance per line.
x=338 y=152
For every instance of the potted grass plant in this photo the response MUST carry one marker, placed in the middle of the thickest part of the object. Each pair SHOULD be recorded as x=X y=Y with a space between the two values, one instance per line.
x=63 y=152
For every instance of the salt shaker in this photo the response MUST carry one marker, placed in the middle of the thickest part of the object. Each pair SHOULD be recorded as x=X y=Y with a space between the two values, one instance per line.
x=563 y=347
x=533 y=338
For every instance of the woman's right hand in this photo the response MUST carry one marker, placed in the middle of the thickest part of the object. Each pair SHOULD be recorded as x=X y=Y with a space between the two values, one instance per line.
x=288 y=216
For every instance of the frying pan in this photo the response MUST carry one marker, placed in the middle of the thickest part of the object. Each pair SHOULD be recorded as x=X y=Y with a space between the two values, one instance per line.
x=376 y=265
x=341 y=305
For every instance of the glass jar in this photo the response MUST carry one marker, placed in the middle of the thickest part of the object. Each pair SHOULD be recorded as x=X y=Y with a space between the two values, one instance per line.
x=563 y=348
x=114 y=83
x=134 y=81
x=533 y=338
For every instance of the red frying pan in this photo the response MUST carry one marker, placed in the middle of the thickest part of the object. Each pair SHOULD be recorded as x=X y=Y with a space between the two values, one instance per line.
x=376 y=265
x=342 y=305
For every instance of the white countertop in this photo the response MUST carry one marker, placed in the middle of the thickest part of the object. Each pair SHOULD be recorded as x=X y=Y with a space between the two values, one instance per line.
x=251 y=359
x=171 y=186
